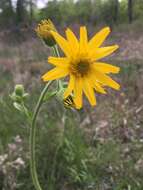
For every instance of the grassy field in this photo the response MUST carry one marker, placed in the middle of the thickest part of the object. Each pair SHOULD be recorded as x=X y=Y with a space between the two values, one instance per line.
x=95 y=148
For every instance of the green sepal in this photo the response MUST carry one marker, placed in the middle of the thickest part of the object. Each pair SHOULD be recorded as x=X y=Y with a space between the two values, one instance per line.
x=16 y=98
x=18 y=106
x=50 y=41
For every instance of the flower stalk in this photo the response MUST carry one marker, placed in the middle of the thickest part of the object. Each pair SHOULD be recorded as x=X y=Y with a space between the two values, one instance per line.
x=32 y=139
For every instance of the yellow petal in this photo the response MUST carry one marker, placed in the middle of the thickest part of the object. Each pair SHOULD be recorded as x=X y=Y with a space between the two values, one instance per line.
x=106 y=68
x=55 y=74
x=99 y=88
x=73 y=42
x=96 y=84
x=105 y=80
x=59 y=61
x=78 y=92
x=62 y=43
x=89 y=92
x=83 y=39
x=103 y=52
x=99 y=38
x=70 y=86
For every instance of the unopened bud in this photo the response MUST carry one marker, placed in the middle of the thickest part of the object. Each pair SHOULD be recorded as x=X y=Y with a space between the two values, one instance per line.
x=44 y=29
x=19 y=90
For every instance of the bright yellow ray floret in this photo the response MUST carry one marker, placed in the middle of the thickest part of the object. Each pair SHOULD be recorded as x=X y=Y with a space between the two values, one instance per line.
x=81 y=63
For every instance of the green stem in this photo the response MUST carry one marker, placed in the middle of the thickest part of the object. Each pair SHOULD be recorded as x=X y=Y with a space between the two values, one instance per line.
x=33 y=131
x=27 y=114
x=56 y=51
x=32 y=138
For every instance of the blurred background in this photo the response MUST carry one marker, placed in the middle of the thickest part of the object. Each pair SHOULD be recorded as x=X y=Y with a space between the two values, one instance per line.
x=98 y=148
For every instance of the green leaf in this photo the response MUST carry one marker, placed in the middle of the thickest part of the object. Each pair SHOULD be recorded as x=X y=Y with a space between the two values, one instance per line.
x=49 y=95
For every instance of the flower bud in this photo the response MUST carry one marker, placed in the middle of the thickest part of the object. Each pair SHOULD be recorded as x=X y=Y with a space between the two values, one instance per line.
x=19 y=90
x=44 y=29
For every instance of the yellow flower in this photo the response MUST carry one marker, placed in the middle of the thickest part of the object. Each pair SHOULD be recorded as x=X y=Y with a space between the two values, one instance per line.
x=44 y=31
x=81 y=62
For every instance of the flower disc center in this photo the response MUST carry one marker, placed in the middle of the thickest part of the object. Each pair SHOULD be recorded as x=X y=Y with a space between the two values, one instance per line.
x=80 y=68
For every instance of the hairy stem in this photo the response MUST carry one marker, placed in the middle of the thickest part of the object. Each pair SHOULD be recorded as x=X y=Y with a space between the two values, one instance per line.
x=32 y=138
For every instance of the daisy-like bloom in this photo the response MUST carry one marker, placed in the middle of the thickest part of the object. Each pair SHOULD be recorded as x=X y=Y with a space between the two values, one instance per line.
x=44 y=31
x=81 y=63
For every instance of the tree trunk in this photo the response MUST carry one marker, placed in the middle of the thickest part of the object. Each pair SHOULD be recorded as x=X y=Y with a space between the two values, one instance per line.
x=116 y=8
x=31 y=12
x=20 y=11
x=130 y=11
x=10 y=5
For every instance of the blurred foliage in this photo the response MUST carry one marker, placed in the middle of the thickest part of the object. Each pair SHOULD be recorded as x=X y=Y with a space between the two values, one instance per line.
x=109 y=12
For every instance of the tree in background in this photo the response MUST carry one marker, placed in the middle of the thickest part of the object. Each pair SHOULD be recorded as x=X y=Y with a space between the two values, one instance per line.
x=109 y=12
x=116 y=11
x=130 y=11
x=52 y=11
x=138 y=10
x=7 y=14
x=83 y=10
x=20 y=11
x=12 y=14
x=32 y=7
